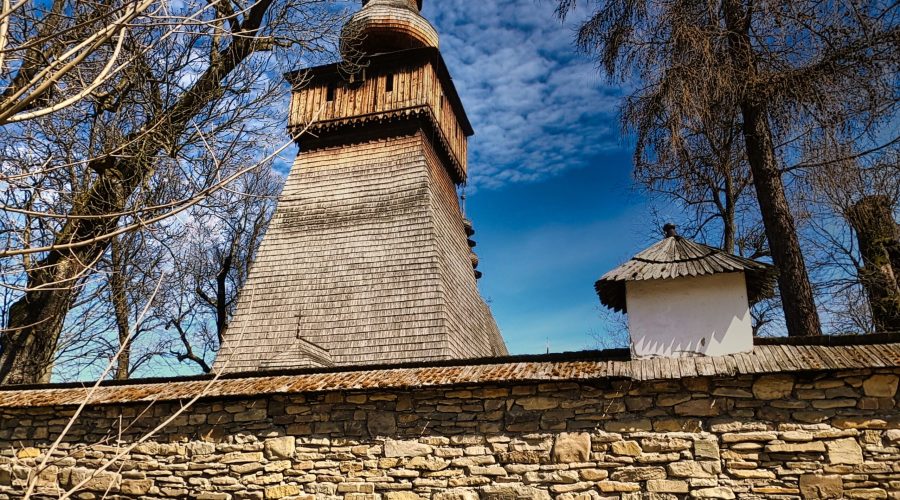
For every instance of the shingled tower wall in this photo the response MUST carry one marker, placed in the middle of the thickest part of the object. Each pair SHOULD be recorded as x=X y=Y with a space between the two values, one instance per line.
x=366 y=260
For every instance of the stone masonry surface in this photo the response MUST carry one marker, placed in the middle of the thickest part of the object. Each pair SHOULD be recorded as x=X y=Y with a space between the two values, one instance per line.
x=817 y=434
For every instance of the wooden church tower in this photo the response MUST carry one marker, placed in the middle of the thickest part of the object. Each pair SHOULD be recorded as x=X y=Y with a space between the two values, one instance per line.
x=366 y=260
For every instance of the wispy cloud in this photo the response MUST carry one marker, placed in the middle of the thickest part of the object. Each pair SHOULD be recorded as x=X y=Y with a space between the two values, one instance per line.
x=537 y=106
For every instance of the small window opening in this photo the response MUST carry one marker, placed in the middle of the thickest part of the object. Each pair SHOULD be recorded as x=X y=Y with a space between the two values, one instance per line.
x=330 y=92
x=389 y=83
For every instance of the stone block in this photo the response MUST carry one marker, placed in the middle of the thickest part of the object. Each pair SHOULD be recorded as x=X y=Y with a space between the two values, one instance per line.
x=821 y=487
x=571 y=447
x=627 y=448
x=521 y=457
x=776 y=490
x=692 y=469
x=593 y=474
x=456 y=494
x=797 y=436
x=430 y=464
x=667 y=486
x=732 y=392
x=251 y=415
x=743 y=437
x=636 y=425
x=811 y=447
x=751 y=473
x=198 y=448
x=770 y=387
x=634 y=474
x=707 y=407
x=538 y=403
x=237 y=457
x=717 y=492
x=881 y=386
x=135 y=486
x=665 y=444
x=570 y=488
x=28 y=453
x=380 y=424
x=672 y=399
x=677 y=425
x=282 y=490
x=93 y=480
x=827 y=404
x=844 y=451
x=401 y=495
x=617 y=487
x=512 y=492
x=356 y=488
x=213 y=495
x=706 y=449
x=492 y=470
x=866 y=493
x=279 y=447
x=893 y=435
x=402 y=448
x=859 y=423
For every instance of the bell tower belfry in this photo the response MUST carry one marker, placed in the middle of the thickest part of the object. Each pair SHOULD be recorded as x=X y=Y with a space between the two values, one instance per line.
x=366 y=260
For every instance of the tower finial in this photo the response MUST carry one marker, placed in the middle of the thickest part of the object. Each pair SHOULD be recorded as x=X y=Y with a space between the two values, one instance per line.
x=413 y=4
x=387 y=26
x=669 y=230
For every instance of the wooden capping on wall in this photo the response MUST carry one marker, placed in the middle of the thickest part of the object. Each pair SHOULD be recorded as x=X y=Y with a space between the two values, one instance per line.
x=397 y=86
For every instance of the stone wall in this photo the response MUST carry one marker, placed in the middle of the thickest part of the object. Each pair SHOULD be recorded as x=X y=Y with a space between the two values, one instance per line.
x=809 y=435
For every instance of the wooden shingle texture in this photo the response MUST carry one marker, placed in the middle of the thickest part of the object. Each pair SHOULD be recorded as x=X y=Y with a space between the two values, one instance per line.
x=676 y=257
x=365 y=262
x=397 y=19
x=584 y=367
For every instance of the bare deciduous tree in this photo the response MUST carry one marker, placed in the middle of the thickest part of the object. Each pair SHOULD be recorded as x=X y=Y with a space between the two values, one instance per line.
x=102 y=99
x=851 y=232
x=786 y=69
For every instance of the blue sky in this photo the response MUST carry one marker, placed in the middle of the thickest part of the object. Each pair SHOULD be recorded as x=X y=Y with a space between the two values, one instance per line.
x=550 y=175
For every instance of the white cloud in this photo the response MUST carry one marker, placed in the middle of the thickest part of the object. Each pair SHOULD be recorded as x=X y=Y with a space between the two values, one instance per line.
x=537 y=106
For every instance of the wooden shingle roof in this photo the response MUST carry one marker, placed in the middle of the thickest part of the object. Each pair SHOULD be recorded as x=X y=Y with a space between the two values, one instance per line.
x=569 y=367
x=676 y=257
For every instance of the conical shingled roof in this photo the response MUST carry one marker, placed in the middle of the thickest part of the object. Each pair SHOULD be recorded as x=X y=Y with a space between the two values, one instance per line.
x=676 y=257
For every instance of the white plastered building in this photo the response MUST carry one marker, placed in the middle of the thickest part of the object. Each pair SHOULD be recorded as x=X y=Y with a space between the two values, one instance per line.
x=686 y=299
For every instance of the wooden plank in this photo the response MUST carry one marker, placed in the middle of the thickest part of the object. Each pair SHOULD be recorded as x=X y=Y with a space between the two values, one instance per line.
x=637 y=369
x=705 y=366
x=660 y=369
x=731 y=365
x=789 y=356
x=753 y=362
x=831 y=357
x=810 y=360
x=885 y=354
x=871 y=357
x=789 y=361
x=741 y=361
x=720 y=365
x=768 y=362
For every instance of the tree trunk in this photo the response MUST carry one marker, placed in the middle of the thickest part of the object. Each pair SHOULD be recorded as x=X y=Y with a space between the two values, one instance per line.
x=119 y=298
x=873 y=221
x=222 y=296
x=36 y=319
x=797 y=299
x=29 y=343
x=729 y=228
